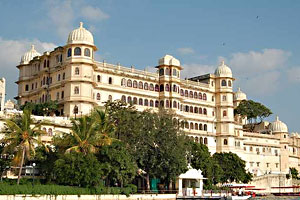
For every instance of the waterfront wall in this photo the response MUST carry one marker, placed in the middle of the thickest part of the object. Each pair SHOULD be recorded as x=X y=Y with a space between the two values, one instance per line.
x=90 y=197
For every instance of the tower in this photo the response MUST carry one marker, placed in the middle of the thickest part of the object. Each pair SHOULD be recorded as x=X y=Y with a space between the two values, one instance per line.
x=225 y=135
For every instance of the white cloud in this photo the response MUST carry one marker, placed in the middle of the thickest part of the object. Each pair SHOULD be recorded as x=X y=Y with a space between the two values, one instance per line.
x=294 y=74
x=192 y=70
x=185 y=51
x=93 y=13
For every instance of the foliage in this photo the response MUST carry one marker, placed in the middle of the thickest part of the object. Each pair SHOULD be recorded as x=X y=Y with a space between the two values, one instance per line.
x=78 y=169
x=294 y=172
x=118 y=164
x=233 y=168
x=20 y=138
x=5 y=160
x=252 y=110
x=40 y=109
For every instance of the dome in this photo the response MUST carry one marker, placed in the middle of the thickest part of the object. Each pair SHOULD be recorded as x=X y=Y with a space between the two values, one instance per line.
x=169 y=60
x=223 y=70
x=81 y=36
x=278 y=126
x=29 y=55
x=239 y=95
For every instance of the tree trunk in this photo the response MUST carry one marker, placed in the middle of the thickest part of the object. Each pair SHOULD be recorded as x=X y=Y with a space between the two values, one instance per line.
x=21 y=165
x=148 y=183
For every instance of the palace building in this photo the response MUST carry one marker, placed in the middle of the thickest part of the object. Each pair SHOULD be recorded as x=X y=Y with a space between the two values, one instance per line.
x=204 y=104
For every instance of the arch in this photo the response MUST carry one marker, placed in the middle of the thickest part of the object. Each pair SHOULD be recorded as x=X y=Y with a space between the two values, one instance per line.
x=200 y=95
x=151 y=87
x=182 y=124
x=174 y=88
x=204 y=97
x=186 y=93
x=77 y=51
x=109 y=98
x=186 y=108
x=146 y=102
x=196 y=110
x=140 y=101
x=161 y=71
x=151 y=103
x=174 y=104
x=58 y=77
x=174 y=72
x=141 y=85
x=229 y=83
x=168 y=72
x=181 y=92
x=212 y=98
x=205 y=140
x=110 y=80
x=197 y=140
x=167 y=88
x=48 y=63
x=129 y=100
x=191 y=94
x=123 y=98
x=50 y=132
x=204 y=111
x=76 y=70
x=161 y=88
x=205 y=127
x=76 y=90
x=87 y=52
x=69 y=52
x=195 y=95
x=167 y=104
x=135 y=84
x=156 y=88
x=200 y=127
x=200 y=110
x=98 y=97
x=196 y=126
x=162 y=103
x=134 y=100
x=156 y=104
x=223 y=83
x=99 y=78
x=225 y=142
x=224 y=113
x=64 y=76
x=186 y=125
x=129 y=83
x=146 y=86
x=201 y=140
x=191 y=125
x=191 y=109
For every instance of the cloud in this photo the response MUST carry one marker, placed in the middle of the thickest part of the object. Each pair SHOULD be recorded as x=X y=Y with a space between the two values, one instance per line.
x=192 y=70
x=294 y=74
x=93 y=13
x=185 y=51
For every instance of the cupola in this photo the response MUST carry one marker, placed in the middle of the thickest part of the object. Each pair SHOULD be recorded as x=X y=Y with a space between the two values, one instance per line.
x=239 y=95
x=278 y=126
x=169 y=60
x=29 y=55
x=81 y=36
x=223 y=70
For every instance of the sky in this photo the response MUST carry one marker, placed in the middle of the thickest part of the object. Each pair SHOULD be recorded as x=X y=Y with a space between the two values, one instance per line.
x=259 y=40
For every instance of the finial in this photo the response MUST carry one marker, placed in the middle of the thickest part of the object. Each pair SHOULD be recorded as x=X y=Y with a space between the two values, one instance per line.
x=32 y=47
x=277 y=118
x=222 y=62
x=239 y=89
x=81 y=25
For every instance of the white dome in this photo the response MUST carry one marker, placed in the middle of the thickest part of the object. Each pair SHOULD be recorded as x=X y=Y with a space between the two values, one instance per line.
x=223 y=70
x=80 y=36
x=239 y=95
x=29 y=55
x=278 y=126
x=169 y=60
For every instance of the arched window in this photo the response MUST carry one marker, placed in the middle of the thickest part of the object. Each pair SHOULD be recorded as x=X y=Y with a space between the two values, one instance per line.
x=129 y=100
x=229 y=83
x=197 y=140
x=151 y=103
x=196 y=110
x=140 y=85
x=156 y=104
x=196 y=126
x=174 y=88
x=205 y=127
x=134 y=100
x=77 y=51
x=224 y=113
x=135 y=84
x=167 y=87
x=98 y=97
x=200 y=95
x=146 y=102
x=186 y=93
x=191 y=94
x=161 y=88
x=109 y=98
x=191 y=109
x=167 y=104
x=223 y=83
x=161 y=71
x=123 y=98
x=76 y=70
x=191 y=125
x=200 y=110
x=205 y=140
x=162 y=103
x=129 y=83
x=212 y=98
x=151 y=87
x=195 y=95
x=186 y=125
x=76 y=90
x=204 y=111
x=69 y=52
x=44 y=81
x=200 y=127
x=64 y=76
x=201 y=140
x=50 y=132
x=182 y=124
x=58 y=77
x=212 y=83
x=140 y=101
x=225 y=142
x=156 y=88
x=224 y=98
x=181 y=92
x=45 y=63
x=186 y=108
x=204 y=97
x=146 y=86
x=174 y=104
x=168 y=71
x=174 y=72
x=48 y=63
x=110 y=80
x=87 y=52
x=99 y=78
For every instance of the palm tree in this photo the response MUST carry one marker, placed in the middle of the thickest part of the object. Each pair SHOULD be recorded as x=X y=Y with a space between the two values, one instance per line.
x=87 y=134
x=21 y=137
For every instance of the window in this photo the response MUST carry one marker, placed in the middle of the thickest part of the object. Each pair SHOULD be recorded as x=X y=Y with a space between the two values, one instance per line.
x=87 y=52
x=196 y=110
x=151 y=87
x=204 y=111
x=26 y=87
x=167 y=88
x=123 y=99
x=110 y=80
x=224 y=113
x=129 y=83
x=191 y=125
x=191 y=109
x=151 y=103
x=76 y=70
x=64 y=76
x=174 y=88
x=225 y=142
x=99 y=78
x=224 y=98
x=229 y=83
x=161 y=89
x=200 y=110
x=135 y=84
x=77 y=51
x=191 y=94
x=140 y=101
x=50 y=132
x=156 y=104
x=204 y=97
x=205 y=127
x=181 y=92
x=174 y=72
x=162 y=104
x=45 y=63
x=205 y=140
x=212 y=83
x=161 y=71
x=76 y=90
x=109 y=98
x=195 y=95
x=48 y=63
x=32 y=86
x=129 y=100
x=196 y=126
x=212 y=98
x=146 y=86
x=186 y=125
x=223 y=83
x=134 y=100
x=146 y=102
x=167 y=71
x=186 y=93
x=200 y=95
x=57 y=95
x=69 y=52
x=140 y=85
x=201 y=140
x=174 y=104
x=167 y=104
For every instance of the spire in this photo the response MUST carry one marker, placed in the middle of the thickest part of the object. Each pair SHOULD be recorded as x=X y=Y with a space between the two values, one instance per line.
x=277 y=118
x=222 y=62
x=32 y=47
x=239 y=89
x=81 y=25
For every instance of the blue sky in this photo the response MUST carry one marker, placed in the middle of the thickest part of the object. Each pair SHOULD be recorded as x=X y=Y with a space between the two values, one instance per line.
x=259 y=40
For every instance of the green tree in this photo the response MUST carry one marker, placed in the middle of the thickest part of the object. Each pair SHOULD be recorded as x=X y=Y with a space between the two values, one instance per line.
x=118 y=164
x=78 y=169
x=5 y=160
x=22 y=134
x=40 y=109
x=294 y=172
x=233 y=168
